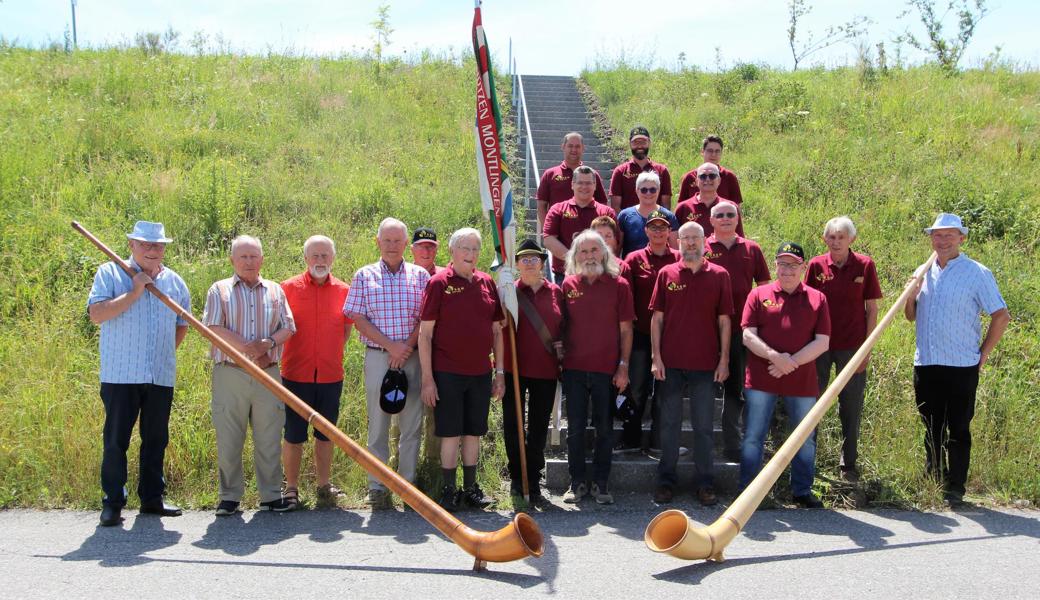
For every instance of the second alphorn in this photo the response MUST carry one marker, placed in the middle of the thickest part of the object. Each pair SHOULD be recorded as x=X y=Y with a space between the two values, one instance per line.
x=519 y=539
x=672 y=532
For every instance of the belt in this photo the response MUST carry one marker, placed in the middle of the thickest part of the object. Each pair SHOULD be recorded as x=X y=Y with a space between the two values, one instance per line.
x=376 y=348
x=228 y=363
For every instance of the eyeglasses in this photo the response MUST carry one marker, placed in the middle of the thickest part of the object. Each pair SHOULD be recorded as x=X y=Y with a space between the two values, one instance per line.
x=788 y=266
x=657 y=228
x=725 y=215
x=707 y=176
x=529 y=259
x=647 y=190
x=150 y=245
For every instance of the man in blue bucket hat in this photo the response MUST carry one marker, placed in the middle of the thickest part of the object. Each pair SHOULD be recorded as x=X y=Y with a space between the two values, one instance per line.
x=949 y=356
x=138 y=343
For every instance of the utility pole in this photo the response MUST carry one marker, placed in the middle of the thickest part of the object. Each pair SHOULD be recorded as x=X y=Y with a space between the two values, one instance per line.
x=75 y=44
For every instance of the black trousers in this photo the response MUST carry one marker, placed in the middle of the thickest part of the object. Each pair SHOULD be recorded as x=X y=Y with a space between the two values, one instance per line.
x=536 y=401
x=641 y=391
x=124 y=402
x=946 y=400
x=733 y=403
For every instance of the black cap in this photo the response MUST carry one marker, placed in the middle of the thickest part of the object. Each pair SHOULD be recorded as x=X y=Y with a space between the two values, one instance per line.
x=393 y=392
x=528 y=247
x=424 y=234
x=637 y=131
x=791 y=249
x=658 y=215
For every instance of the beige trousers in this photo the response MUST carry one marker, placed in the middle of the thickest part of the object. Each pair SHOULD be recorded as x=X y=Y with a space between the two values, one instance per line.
x=239 y=401
x=409 y=420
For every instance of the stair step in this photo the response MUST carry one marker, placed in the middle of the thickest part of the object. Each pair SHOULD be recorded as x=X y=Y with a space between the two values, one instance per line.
x=639 y=473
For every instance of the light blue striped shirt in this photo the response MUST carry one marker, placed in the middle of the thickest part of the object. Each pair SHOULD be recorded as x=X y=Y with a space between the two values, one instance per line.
x=949 y=331
x=139 y=346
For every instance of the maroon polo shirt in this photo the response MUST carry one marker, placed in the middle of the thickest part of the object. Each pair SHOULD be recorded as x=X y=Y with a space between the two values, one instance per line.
x=623 y=269
x=594 y=313
x=691 y=304
x=623 y=181
x=694 y=210
x=464 y=312
x=533 y=360
x=847 y=288
x=786 y=323
x=643 y=266
x=555 y=185
x=744 y=262
x=566 y=220
x=729 y=187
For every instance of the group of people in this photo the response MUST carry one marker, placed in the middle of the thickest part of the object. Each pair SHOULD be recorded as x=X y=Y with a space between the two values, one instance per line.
x=645 y=307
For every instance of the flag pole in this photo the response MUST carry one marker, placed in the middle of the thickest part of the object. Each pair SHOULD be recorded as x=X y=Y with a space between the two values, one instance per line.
x=518 y=406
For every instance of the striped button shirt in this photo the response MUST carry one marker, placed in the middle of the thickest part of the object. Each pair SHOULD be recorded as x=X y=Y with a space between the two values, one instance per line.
x=138 y=346
x=254 y=313
x=390 y=301
x=948 y=328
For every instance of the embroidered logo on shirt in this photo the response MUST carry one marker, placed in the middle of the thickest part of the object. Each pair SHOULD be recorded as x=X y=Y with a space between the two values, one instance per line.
x=858 y=280
x=630 y=175
x=675 y=287
x=569 y=214
x=822 y=277
x=451 y=289
x=769 y=303
x=710 y=255
x=646 y=267
x=573 y=294
x=561 y=178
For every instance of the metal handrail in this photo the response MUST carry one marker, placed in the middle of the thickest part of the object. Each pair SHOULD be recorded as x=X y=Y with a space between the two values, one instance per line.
x=531 y=166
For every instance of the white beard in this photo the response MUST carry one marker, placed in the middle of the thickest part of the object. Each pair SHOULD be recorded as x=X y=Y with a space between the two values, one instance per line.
x=319 y=271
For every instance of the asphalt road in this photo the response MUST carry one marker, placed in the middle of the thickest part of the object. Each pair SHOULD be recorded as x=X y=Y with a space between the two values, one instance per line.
x=595 y=552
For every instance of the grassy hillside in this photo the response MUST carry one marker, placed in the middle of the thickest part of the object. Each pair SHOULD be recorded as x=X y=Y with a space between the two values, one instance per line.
x=213 y=146
x=891 y=150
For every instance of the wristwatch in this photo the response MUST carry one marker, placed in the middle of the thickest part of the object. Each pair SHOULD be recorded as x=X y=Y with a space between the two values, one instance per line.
x=622 y=363
x=500 y=371
x=269 y=341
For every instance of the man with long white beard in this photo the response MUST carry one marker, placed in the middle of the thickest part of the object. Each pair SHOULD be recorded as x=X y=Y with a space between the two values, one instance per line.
x=597 y=346
x=312 y=363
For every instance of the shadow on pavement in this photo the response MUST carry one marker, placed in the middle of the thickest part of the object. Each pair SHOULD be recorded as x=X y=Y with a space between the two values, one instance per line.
x=240 y=537
x=119 y=547
x=696 y=573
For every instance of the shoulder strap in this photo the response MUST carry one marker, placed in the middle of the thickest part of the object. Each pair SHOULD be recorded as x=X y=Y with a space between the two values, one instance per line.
x=536 y=321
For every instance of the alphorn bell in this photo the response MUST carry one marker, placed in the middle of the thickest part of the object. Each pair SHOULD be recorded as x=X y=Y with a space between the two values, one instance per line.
x=519 y=539
x=672 y=532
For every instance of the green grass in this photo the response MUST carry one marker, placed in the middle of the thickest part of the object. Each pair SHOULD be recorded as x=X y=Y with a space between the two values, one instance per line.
x=890 y=150
x=213 y=146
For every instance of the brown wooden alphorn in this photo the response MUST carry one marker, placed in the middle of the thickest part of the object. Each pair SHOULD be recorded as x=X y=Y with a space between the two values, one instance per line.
x=519 y=539
x=672 y=532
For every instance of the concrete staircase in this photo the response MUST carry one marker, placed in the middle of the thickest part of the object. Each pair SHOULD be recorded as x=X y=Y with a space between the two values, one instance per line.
x=555 y=108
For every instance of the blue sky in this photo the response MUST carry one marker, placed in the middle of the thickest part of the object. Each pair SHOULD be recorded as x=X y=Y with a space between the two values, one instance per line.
x=549 y=37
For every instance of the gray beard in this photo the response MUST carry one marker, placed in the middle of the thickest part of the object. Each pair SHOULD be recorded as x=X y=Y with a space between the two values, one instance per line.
x=592 y=271
x=692 y=255
x=318 y=275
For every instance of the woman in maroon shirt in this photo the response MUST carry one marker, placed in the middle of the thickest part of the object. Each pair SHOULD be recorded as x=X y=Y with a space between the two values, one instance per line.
x=538 y=353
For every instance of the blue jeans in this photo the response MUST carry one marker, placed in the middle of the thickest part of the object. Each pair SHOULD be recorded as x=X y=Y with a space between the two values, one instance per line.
x=701 y=387
x=582 y=389
x=758 y=413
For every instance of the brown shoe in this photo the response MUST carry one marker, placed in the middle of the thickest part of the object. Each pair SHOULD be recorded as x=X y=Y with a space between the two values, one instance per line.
x=706 y=496
x=663 y=494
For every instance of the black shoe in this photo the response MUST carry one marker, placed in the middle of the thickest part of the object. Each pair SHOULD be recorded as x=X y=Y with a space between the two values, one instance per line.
x=279 y=505
x=226 y=508
x=850 y=474
x=663 y=494
x=161 y=508
x=706 y=496
x=808 y=501
x=953 y=499
x=110 y=515
x=624 y=447
x=449 y=498
x=474 y=497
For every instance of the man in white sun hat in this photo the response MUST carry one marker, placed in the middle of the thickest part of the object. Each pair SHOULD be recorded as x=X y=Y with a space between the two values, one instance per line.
x=945 y=307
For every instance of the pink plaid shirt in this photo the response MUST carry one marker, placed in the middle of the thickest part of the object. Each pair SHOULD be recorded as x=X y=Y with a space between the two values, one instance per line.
x=390 y=301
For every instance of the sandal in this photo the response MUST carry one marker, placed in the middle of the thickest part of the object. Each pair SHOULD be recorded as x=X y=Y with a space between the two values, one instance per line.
x=328 y=495
x=291 y=496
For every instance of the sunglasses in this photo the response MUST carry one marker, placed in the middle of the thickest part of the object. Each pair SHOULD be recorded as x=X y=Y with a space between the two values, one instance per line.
x=657 y=228
x=707 y=176
x=725 y=215
x=530 y=259
x=647 y=190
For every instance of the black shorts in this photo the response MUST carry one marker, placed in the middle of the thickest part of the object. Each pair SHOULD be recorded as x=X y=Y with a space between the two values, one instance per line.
x=462 y=405
x=322 y=397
